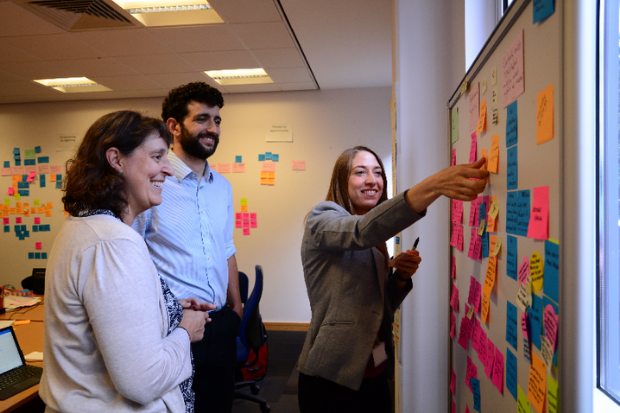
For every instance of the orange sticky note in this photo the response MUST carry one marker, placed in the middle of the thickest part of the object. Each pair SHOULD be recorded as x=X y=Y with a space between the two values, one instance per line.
x=48 y=213
x=494 y=157
x=482 y=119
x=13 y=211
x=223 y=168
x=544 y=115
x=484 y=153
x=40 y=210
x=263 y=181
x=244 y=208
x=52 y=178
x=537 y=384
x=271 y=181
x=50 y=205
x=486 y=301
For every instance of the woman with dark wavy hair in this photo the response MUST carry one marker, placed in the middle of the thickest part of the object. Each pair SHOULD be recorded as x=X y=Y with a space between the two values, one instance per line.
x=348 y=355
x=116 y=339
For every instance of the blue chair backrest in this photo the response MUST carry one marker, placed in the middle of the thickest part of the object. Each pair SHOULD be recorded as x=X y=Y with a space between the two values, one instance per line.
x=251 y=330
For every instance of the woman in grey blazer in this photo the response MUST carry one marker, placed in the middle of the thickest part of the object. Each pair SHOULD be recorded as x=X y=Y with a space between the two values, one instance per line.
x=347 y=357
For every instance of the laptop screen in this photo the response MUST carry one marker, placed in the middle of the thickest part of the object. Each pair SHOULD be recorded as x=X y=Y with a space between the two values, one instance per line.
x=9 y=352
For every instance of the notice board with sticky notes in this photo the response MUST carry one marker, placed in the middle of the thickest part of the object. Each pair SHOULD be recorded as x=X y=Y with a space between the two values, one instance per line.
x=505 y=246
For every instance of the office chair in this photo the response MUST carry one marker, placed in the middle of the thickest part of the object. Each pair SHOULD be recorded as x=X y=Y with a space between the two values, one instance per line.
x=252 y=336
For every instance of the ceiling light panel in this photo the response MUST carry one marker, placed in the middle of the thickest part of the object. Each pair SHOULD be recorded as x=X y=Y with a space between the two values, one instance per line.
x=239 y=76
x=171 y=12
x=73 y=85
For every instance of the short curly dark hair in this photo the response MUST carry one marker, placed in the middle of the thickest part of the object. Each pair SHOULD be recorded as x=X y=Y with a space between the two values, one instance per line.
x=91 y=182
x=175 y=104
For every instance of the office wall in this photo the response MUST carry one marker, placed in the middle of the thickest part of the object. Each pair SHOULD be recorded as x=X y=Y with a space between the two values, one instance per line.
x=324 y=124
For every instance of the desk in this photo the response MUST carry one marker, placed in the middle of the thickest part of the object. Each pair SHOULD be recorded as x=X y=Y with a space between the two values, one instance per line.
x=30 y=338
x=25 y=313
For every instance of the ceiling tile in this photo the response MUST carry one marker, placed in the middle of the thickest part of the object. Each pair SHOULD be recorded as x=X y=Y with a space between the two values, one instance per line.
x=6 y=77
x=124 y=42
x=265 y=87
x=222 y=60
x=9 y=53
x=125 y=83
x=297 y=86
x=103 y=66
x=18 y=22
x=53 y=46
x=26 y=88
x=244 y=11
x=172 y=80
x=292 y=75
x=206 y=38
x=288 y=57
x=263 y=35
x=35 y=70
x=157 y=64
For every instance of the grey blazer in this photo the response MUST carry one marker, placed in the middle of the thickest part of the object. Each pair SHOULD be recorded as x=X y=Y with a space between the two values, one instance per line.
x=350 y=295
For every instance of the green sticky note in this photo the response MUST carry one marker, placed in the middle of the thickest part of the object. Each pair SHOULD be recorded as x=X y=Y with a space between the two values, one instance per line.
x=17 y=196
x=7 y=201
x=244 y=201
x=552 y=395
x=454 y=122
x=523 y=403
x=37 y=203
x=30 y=154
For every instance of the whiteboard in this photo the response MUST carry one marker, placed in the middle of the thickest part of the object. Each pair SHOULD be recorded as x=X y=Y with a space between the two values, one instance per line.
x=536 y=166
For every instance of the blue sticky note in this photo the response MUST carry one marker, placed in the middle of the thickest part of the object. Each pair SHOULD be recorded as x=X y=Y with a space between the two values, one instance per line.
x=16 y=156
x=475 y=388
x=511 y=125
x=31 y=255
x=23 y=185
x=24 y=178
x=16 y=228
x=18 y=162
x=535 y=315
x=27 y=233
x=23 y=192
x=58 y=184
x=35 y=228
x=512 y=173
x=37 y=255
x=268 y=156
x=44 y=255
x=511 y=373
x=29 y=162
x=7 y=228
x=543 y=9
x=238 y=159
x=512 y=214
x=482 y=213
x=523 y=212
x=275 y=157
x=47 y=227
x=16 y=151
x=552 y=264
x=511 y=258
x=511 y=324
x=42 y=181
x=37 y=149
x=261 y=157
x=7 y=164
x=58 y=177
x=43 y=159
x=23 y=228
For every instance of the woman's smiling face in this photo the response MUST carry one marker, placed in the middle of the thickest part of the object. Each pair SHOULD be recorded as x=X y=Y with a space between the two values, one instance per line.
x=365 y=182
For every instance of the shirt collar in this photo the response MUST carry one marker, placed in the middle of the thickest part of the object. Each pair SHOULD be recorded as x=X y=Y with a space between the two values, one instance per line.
x=181 y=170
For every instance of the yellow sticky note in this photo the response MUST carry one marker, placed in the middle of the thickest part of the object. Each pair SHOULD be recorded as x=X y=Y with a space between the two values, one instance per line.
x=523 y=404
x=552 y=395
x=244 y=201
x=536 y=272
x=481 y=228
x=17 y=196
x=7 y=201
x=494 y=156
x=544 y=115
x=498 y=246
x=493 y=213
x=470 y=312
x=244 y=208
x=537 y=384
x=482 y=119
x=37 y=202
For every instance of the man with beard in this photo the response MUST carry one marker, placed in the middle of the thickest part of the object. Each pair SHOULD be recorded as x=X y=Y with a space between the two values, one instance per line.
x=189 y=236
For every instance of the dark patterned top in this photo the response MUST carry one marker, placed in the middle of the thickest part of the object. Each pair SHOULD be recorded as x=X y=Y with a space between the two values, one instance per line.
x=175 y=314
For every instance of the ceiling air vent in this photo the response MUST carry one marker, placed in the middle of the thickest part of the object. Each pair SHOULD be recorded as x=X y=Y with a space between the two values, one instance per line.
x=73 y=15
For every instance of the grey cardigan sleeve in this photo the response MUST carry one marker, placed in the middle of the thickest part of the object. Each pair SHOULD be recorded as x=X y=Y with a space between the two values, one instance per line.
x=332 y=228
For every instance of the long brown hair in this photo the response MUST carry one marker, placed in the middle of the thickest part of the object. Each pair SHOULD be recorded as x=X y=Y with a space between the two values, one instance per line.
x=338 y=191
x=91 y=182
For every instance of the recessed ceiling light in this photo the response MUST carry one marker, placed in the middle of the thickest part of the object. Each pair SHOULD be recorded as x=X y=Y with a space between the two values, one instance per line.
x=239 y=76
x=171 y=12
x=73 y=85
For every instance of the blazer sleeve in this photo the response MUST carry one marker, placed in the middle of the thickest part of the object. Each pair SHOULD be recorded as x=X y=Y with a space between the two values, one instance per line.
x=332 y=228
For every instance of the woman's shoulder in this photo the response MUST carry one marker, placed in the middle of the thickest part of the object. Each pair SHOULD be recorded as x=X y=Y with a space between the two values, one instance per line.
x=327 y=206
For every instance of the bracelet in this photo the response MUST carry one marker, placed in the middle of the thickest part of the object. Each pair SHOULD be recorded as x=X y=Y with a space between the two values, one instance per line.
x=398 y=277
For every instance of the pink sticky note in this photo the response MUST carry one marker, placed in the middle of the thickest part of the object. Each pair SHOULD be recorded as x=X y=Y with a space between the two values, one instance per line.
x=299 y=165
x=498 y=371
x=455 y=235
x=253 y=215
x=38 y=246
x=479 y=201
x=55 y=169
x=238 y=224
x=223 y=168
x=37 y=220
x=5 y=221
x=524 y=271
x=453 y=406
x=238 y=167
x=454 y=299
x=482 y=346
x=453 y=162
x=238 y=215
x=472 y=290
x=550 y=321
x=475 y=338
x=10 y=191
x=253 y=224
x=452 y=325
x=246 y=215
x=452 y=381
x=539 y=217
x=513 y=84
x=472 y=242
x=43 y=168
x=467 y=409
x=268 y=166
x=473 y=212
x=246 y=224
x=18 y=220
x=453 y=268
x=473 y=99
x=464 y=332
x=524 y=325
x=470 y=373
x=488 y=365
x=478 y=297
x=473 y=150
x=459 y=241
x=477 y=254
x=246 y=231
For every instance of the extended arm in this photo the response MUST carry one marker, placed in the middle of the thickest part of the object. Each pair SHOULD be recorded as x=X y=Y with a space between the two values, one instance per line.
x=233 y=296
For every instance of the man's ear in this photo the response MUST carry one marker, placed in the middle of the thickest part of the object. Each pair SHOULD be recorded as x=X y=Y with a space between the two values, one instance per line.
x=113 y=155
x=173 y=127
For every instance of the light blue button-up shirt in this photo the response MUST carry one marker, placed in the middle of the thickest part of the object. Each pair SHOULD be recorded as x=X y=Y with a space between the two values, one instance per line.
x=190 y=235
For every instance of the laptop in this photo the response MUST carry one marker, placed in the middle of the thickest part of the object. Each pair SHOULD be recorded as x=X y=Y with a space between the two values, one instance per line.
x=15 y=375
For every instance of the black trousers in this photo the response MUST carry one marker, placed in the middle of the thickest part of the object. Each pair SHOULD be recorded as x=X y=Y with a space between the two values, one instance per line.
x=215 y=357
x=319 y=395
